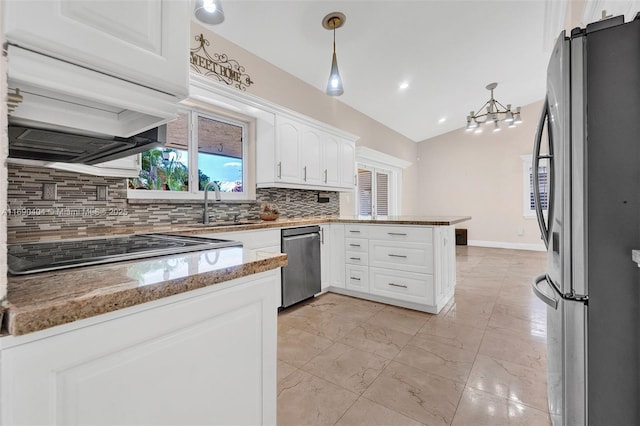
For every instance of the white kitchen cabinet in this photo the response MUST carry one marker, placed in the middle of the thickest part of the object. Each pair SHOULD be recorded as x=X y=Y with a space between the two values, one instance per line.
x=410 y=266
x=337 y=264
x=259 y=239
x=287 y=146
x=311 y=160
x=307 y=157
x=347 y=165
x=206 y=356
x=331 y=156
x=145 y=41
x=325 y=256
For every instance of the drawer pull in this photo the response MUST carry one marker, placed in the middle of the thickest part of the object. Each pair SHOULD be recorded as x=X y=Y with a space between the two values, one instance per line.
x=397 y=233
x=398 y=285
x=354 y=232
x=355 y=258
x=354 y=245
x=354 y=278
x=397 y=255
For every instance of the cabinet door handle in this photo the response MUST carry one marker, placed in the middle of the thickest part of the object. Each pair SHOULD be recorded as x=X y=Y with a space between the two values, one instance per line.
x=325 y=175
x=354 y=258
x=398 y=285
x=354 y=245
x=279 y=169
x=355 y=180
x=354 y=278
x=321 y=235
x=397 y=234
x=305 y=173
x=354 y=232
x=397 y=255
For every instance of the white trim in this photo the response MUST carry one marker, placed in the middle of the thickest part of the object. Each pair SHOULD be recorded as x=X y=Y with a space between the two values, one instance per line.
x=505 y=245
x=369 y=156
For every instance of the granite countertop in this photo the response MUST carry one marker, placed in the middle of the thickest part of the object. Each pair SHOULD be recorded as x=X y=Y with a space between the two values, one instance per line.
x=43 y=300
x=199 y=228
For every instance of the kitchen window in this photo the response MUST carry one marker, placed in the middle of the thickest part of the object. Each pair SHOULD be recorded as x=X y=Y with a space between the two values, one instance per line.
x=200 y=147
x=527 y=181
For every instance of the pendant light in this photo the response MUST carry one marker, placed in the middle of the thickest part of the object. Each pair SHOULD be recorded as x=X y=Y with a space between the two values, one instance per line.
x=331 y=22
x=209 y=12
x=495 y=112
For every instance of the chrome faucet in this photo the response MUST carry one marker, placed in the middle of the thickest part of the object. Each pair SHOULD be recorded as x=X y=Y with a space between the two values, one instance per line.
x=216 y=188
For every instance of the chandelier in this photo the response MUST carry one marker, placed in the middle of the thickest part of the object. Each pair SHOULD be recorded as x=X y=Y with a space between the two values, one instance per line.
x=495 y=112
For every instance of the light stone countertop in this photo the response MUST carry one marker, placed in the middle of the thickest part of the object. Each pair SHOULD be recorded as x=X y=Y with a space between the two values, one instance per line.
x=43 y=300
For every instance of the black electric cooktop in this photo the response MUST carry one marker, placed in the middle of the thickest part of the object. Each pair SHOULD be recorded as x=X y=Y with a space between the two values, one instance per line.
x=29 y=258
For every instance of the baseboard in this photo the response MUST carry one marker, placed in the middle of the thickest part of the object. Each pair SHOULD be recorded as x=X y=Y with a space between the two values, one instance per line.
x=503 y=245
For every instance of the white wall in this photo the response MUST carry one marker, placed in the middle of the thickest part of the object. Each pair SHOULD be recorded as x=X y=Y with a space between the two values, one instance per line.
x=284 y=89
x=462 y=173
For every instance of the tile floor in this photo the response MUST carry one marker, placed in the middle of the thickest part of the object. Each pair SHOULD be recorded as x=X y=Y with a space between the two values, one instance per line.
x=481 y=361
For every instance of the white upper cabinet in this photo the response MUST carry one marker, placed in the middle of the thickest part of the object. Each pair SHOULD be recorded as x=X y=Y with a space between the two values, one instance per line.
x=143 y=41
x=307 y=156
x=287 y=151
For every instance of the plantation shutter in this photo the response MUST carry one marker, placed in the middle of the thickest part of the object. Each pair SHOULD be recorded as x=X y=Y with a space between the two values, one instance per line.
x=382 y=194
x=365 y=191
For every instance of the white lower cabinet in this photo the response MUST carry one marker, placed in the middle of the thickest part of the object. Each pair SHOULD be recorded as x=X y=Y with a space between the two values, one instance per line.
x=325 y=256
x=410 y=266
x=207 y=356
x=357 y=278
x=401 y=285
x=336 y=258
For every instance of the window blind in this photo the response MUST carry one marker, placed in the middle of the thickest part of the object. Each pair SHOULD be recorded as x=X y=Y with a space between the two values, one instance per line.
x=365 y=186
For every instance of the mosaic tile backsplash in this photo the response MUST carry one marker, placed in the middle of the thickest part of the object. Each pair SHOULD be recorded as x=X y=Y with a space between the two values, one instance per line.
x=76 y=205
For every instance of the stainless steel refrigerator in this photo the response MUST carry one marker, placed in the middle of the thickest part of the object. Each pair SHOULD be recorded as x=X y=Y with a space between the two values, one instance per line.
x=589 y=133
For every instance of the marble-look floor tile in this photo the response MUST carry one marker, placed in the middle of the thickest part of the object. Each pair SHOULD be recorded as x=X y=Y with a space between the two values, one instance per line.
x=376 y=339
x=368 y=413
x=507 y=380
x=427 y=398
x=479 y=408
x=347 y=307
x=400 y=319
x=519 y=318
x=297 y=347
x=453 y=334
x=516 y=347
x=346 y=366
x=437 y=358
x=304 y=399
x=284 y=369
x=321 y=323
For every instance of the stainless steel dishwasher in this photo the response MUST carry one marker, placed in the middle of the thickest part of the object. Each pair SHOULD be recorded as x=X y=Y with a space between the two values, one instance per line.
x=301 y=276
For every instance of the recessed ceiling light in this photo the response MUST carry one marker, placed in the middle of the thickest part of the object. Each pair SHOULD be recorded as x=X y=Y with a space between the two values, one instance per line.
x=404 y=85
x=442 y=120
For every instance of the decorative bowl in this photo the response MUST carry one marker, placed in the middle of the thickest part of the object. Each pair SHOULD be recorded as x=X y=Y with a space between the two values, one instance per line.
x=268 y=216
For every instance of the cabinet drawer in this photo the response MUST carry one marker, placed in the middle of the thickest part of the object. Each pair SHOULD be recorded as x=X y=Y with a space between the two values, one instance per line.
x=357 y=278
x=356 y=231
x=413 y=257
x=357 y=258
x=402 y=285
x=356 y=244
x=418 y=234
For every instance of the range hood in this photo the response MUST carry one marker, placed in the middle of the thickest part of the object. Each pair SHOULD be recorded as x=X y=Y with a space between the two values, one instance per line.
x=54 y=146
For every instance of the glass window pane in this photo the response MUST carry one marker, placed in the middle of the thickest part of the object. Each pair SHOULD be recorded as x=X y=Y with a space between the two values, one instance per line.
x=220 y=152
x=167 y=169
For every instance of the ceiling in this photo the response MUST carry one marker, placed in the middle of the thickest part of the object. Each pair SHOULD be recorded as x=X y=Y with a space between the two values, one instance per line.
x=447 y=51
